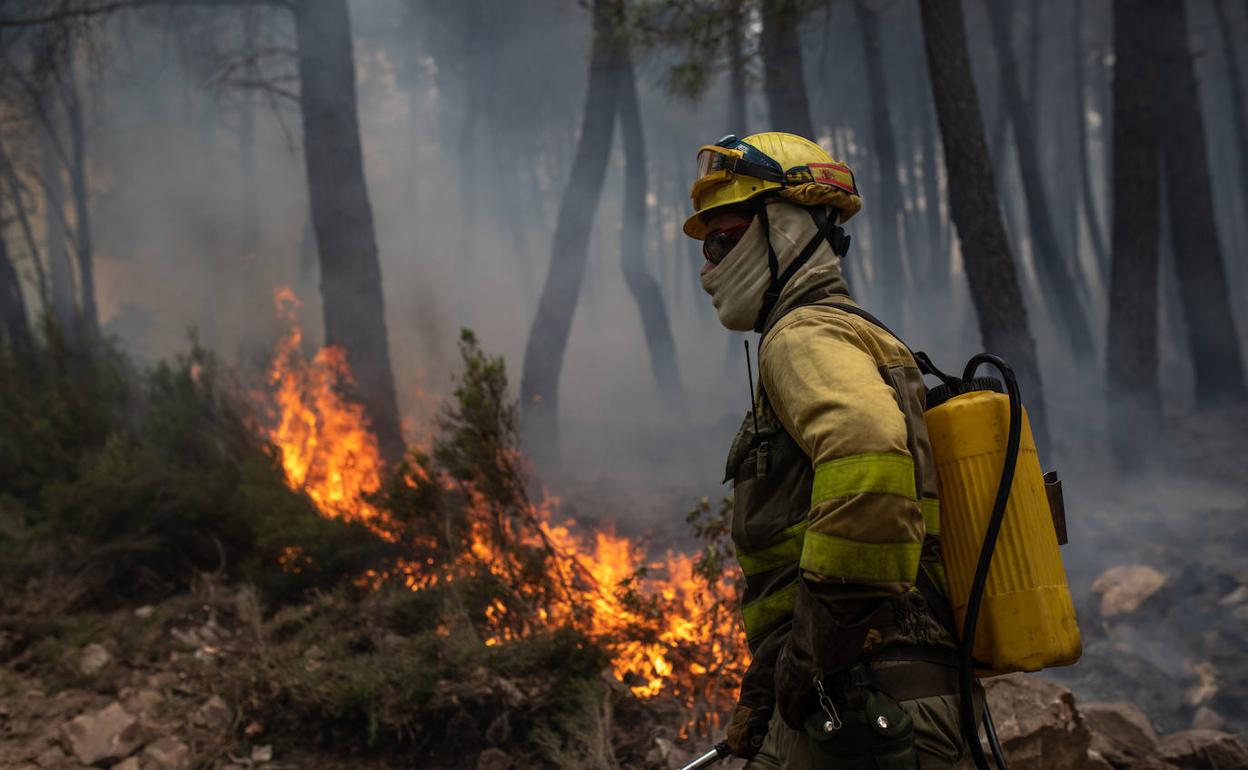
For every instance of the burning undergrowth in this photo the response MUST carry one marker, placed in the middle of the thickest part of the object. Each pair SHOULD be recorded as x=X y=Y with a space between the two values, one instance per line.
x=488 y=563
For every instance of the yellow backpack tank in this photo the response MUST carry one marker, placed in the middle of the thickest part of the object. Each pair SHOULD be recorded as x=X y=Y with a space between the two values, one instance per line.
x=1027 y=618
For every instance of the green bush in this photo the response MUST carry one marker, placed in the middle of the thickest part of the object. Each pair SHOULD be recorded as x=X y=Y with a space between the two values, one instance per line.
x=130 y=482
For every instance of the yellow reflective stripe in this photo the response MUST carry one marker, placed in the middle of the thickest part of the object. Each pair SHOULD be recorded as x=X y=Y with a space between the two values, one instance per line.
x=930 y=507
x=856 y=562
x=785 y=549
x=879 y=472
x=763 y=614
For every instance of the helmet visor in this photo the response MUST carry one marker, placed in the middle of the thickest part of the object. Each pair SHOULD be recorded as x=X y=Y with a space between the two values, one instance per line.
x=714 y=169
x=711 y=158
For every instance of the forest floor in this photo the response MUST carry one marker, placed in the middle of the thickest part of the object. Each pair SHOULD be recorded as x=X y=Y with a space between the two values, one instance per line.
x=207 y=679
x=1158 y=571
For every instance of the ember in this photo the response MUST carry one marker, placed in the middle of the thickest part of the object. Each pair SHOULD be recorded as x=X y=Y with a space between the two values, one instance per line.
x=670 y=629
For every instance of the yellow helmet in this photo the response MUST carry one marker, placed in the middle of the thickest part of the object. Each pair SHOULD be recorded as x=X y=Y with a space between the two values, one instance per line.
x=733 y=171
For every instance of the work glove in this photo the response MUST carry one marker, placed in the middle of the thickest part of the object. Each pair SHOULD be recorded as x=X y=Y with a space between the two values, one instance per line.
x=827 y=636
x=747 y=727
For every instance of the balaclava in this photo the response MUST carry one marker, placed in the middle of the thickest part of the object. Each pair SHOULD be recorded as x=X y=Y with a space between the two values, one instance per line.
x=738 y=283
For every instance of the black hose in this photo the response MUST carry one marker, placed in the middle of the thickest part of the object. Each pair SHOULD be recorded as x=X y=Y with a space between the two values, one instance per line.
x=994 y=743
x=970 y=725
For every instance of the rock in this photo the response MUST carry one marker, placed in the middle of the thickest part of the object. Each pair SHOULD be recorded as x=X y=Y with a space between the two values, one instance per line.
x=1206 y=718
x=1038 y=723
x=1204 y=750
x=142 y=701
x=164 y=680
x=93 y=658
x=51 y=757
x=262 y=753
x=144 y=612
x=1206 y=686
x=130 y=763
x=493 y=759
x=110 y=733
x=1126 y=587
x=1122 y=734
x=1237 y=596
x=215 y=714
x=186 y=637
x=667 y=754
x=168 y=753
x=512 y=694
x=1096 y=762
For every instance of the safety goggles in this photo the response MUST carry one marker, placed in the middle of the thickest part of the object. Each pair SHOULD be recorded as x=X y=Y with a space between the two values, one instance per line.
x=718 y=163
x=719 y=243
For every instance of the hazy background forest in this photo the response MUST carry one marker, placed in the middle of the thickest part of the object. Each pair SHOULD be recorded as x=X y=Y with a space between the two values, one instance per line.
x=175 y=173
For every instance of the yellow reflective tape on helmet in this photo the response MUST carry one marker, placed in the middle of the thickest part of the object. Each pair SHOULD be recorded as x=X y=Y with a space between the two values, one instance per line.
x=785 y=549
x=767 y=612
x=878 y=472
x=930 y=507
x=856 y=562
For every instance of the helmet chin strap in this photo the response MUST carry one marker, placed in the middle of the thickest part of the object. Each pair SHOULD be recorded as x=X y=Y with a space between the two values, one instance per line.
x=833 y=234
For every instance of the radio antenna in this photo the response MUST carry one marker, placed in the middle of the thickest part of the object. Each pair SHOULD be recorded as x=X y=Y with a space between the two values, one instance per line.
x=749 y=373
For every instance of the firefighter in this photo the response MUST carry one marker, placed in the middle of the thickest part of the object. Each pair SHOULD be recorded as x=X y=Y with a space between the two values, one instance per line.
x=836 y=520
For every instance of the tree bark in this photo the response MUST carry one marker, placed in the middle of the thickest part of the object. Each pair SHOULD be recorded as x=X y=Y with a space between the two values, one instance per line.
x=1095 y=232
x=1131 y=356
x=1057 y=281
x=642 y=285
x=892 y=281
x=60 y=275
x=88 y=314
x=248 y=226
x=783 y=75
x=1239 y=97
x=16 y=329
x=975 y=207
x=548 y=336
x=738 y=122
x=350 y=272
x=1211 y=332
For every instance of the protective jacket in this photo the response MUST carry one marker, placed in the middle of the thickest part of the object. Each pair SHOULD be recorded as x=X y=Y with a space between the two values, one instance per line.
x=838 y=486
x=836 y=517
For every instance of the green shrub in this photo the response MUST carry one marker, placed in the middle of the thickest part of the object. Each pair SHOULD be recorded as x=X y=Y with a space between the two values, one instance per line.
x=130 y=482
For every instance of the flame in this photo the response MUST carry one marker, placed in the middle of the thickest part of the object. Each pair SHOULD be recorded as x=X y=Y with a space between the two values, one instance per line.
x=326 y=448
x=668 y=632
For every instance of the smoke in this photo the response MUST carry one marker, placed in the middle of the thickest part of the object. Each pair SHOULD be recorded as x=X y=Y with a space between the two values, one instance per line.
x=467 y=152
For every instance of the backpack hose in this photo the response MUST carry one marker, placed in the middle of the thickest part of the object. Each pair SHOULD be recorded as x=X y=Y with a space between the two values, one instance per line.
x=967 y=643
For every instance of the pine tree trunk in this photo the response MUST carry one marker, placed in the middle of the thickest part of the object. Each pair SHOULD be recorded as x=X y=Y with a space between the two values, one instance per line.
x=248 y=226
x=350 y=271
x=16 y=328
x=782 y=68
x=892 y=281
x=1239 y=97
x=1211 y=332
x=1131 y=359
x=548 y=336
x=939 y=258
x=1057 y=281
x=975 y=207
x=88 y=315
x=1095 y=232
x=738 y=122
x=60 y=274
x=642 y=285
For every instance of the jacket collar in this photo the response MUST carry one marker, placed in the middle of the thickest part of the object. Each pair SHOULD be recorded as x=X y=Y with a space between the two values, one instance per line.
x=814 y=283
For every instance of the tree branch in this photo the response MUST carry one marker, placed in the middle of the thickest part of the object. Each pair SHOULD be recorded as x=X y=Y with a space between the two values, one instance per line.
x=67 y=14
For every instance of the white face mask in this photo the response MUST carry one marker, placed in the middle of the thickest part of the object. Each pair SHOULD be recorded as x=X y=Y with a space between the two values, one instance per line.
x=737 y=283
